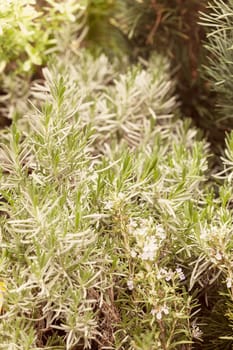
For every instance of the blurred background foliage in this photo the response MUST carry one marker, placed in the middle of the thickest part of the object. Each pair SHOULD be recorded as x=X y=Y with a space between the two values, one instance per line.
x=133 y=28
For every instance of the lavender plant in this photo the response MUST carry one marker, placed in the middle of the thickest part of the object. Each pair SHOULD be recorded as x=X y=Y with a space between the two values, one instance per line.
x=115 y=227
x=98 y=186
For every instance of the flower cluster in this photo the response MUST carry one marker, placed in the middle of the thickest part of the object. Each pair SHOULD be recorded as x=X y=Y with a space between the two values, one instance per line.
x=149 y=238
x=196 y=331
x=169 y=274
x=166 y=274
x=214 y=241
x=180 y=273
x=150 y=249
x=159 y=311
x=214 y=233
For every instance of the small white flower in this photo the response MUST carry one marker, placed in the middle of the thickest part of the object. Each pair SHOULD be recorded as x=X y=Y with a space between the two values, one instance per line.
x=132 y=223
x=162 y=273
x=132 y=226
x=180 y=274
x=160 y=232
x=130 y=284
x=153 y=312
x=196 y=332
x=218 y=256
x=109 y=205
x=159 y=312
x=133 y=254
x=169 y=275
x=149 y=250
x=165 y=310
x=166 y=274
x=229 y=282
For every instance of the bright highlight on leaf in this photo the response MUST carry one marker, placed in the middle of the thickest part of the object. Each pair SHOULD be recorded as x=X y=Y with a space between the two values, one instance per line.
x=2 y=292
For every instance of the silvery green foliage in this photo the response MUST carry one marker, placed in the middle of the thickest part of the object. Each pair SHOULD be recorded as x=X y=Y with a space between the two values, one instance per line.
x=125 y=106
x=212 y=271
x=98 y=185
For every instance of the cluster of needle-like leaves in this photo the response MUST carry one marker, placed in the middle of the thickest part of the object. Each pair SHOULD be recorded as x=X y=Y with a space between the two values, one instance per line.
x=96 y=182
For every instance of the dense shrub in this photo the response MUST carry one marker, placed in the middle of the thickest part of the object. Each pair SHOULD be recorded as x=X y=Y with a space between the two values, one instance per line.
x=95 y=194
x=115 y=216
